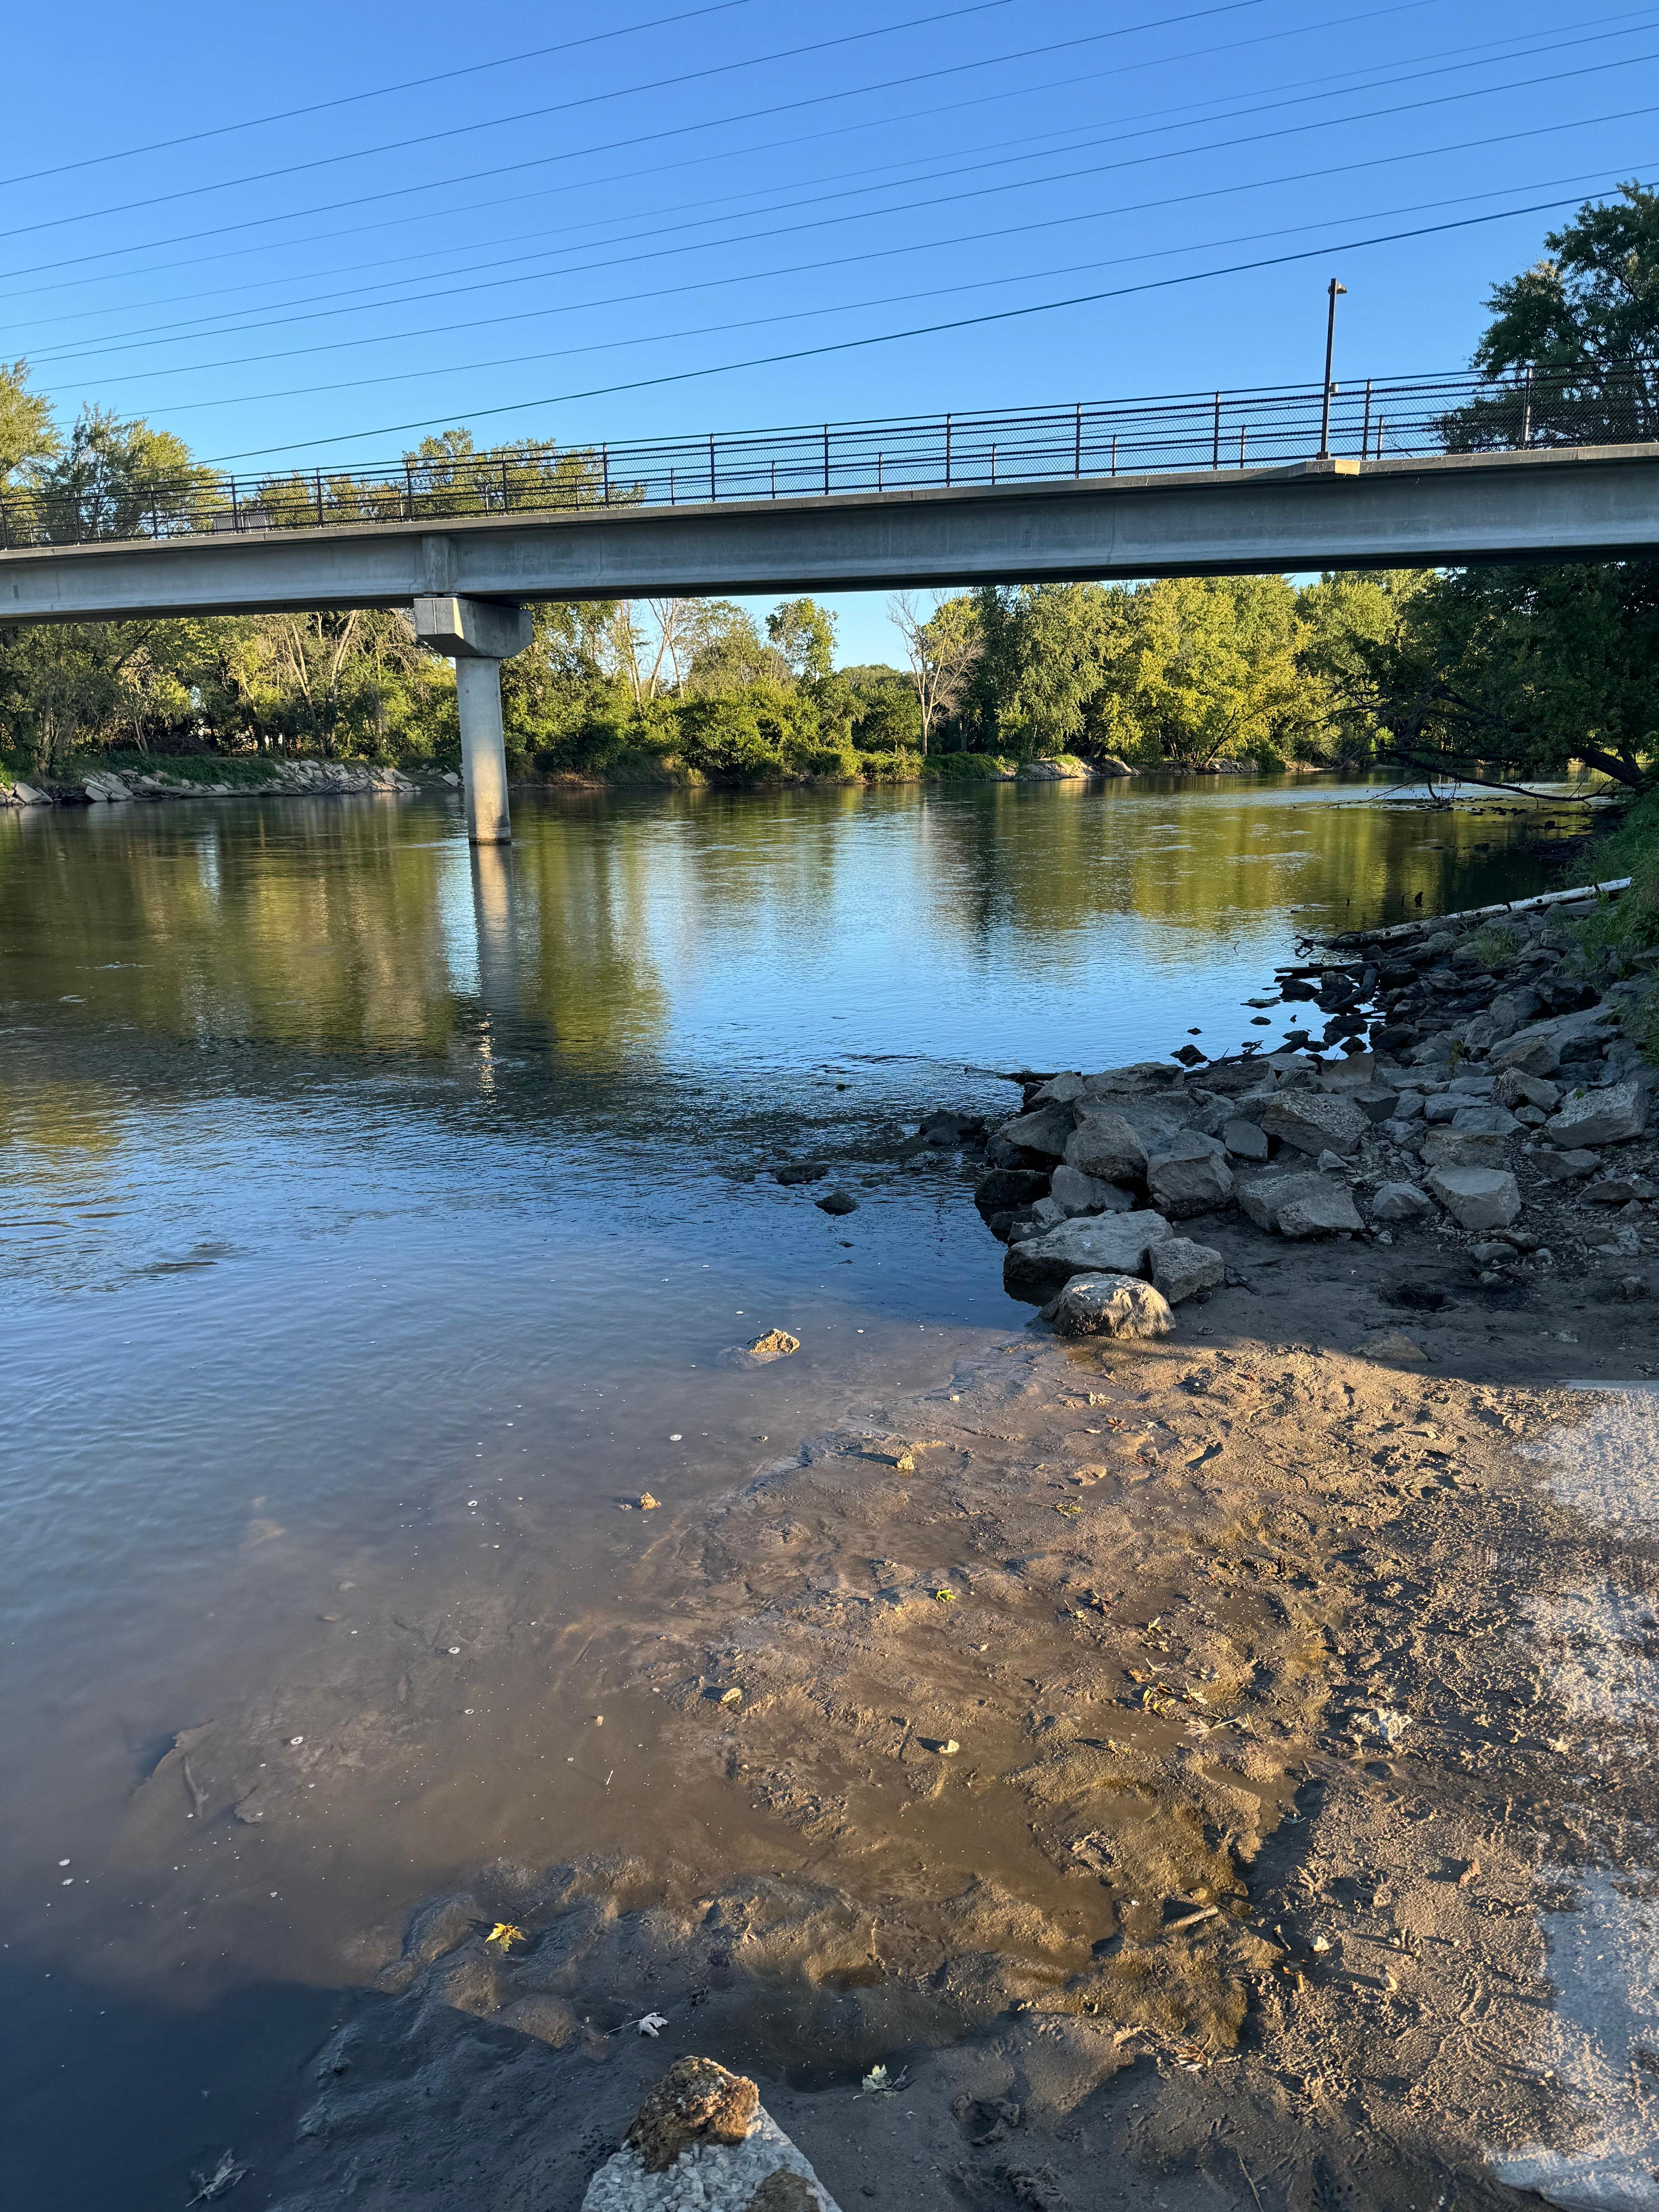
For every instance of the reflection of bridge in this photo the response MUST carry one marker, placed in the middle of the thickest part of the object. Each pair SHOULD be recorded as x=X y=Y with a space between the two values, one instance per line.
x=964 y=500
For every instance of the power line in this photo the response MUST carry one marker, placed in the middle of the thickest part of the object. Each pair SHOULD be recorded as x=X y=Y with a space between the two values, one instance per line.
x=1443 y=64
x=954 y=107
x=529 y=115
x=903 y=206
x=917 y=330
x=941 y=291
x=620 y=145
x=378 y=92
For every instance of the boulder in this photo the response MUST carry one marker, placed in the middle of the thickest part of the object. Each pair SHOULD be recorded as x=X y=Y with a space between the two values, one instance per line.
x=1513 y=1088
x=1192 y=1177
x=1478 y=1198
x=1073 y=1192
x=1140 y=1077
x=1181 y=1268
x=1243 y=1139
x=1490 y=1120
x=1042 y=1215
x=1514 y=1010
x=1110 y=1305
x=1327 y=1212
x=1058 y=1090
x=1566 y=1167
x=1540 y=1049
x=1045 y=1130
x=1314 y=1121
x=703 y=2138
x=1009 y=1187
x=1399 y=1201
x=1611 y=1116
x=946 y=1130
x=1463 y=1148
x=1262 y=1198
x=1105 y=1146
x=1103 y=1243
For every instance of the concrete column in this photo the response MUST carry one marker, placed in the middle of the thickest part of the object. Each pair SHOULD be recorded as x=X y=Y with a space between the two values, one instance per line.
x=483 y=754
x=478 y=634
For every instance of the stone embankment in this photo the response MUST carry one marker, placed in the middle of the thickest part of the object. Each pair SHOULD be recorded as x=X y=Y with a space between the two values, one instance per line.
x=295 y=778
x=1477 y=1080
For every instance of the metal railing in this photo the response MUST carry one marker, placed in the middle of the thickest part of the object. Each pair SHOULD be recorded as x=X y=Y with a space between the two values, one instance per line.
x=1269 y=427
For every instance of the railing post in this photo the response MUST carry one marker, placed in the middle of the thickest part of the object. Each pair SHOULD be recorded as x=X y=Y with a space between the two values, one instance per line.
x=409 y=492
x=993 y=465
x=320 y=499
x=1241 y=444
x=1115 y=452
x=1076 y=443
x=1526 y=410
x=711 y=464
x=1366 y=429
x=235 y=508
x=775 y=475
x=1215 y=435
x=947 y=452
x=605 y=463
x=507 y=497
x=826 y=460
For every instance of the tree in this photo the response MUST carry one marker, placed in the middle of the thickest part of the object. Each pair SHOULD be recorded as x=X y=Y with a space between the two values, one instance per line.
x=118 y=478
x=804 y=633
x=1518 y=671
x=1581 y=328
x=727 y=653
x=28 y=434
x=942 y=647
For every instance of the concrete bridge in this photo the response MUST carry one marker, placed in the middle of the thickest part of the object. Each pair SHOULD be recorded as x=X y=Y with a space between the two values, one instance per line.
x=467 y=578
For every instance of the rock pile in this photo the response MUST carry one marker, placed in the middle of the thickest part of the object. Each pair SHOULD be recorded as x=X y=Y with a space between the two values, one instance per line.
x=1488 y=1090
x=295 y=778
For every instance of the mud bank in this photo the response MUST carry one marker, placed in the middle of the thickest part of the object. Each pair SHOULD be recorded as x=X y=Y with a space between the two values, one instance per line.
x=1194 y=1765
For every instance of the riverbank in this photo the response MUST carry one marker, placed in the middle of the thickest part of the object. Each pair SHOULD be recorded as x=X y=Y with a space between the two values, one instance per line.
x=1210 y=1758
x=96 y=780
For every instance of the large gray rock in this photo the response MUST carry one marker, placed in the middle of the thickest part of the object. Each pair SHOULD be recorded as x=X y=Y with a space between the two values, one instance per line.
x=1490 y=1120
x=1073 y=1192
x=702 y=2141
x=1513 y=1010
x=1110 y=1305
x=1181 y=1268
x=1463 y=1148
x=1103 y=1244
x=1478 y=1198
x=1513 y=1089
x=1399 y=1201
x=1244 y=1138
x=1539 y=1049
x=1566 y=1167
x=1262 y=1198
x=1612 y=1115
x=1059 y=1090
x=1136 y=1080
x=1045 y=1130
x=1192 y=1177
x=1105 y=1146
x=1316 y=1122
x=1327 y=1212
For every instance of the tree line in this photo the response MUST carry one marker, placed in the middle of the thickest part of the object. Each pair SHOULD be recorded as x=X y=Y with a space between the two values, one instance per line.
x=1499 y=671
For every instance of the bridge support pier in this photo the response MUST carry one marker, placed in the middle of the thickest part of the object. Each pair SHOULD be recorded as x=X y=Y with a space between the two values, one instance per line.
x=478 y=634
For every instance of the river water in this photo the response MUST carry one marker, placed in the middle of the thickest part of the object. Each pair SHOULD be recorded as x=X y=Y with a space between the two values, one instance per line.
x=373 y=1217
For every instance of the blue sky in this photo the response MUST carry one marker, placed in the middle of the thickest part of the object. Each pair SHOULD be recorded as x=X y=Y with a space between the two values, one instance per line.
x=595 y=205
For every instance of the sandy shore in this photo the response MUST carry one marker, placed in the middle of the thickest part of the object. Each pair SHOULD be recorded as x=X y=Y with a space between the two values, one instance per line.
x=1199 y=1771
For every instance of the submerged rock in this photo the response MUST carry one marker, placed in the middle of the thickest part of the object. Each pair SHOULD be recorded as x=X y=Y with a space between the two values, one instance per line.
x=776 y=1344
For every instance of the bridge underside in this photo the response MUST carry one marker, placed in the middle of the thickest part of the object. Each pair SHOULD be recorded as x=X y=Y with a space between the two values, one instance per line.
x=1576 y=503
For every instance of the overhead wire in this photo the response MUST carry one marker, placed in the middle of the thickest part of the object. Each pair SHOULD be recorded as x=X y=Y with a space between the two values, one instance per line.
x=1327 y=87
x=620 y=145
x=376 y=92
x=933 y=292
x=558 y=108
x=907 y=207
x=894 y=337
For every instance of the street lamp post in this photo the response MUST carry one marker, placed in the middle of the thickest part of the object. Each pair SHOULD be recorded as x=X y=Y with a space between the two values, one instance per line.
x=1330 y=352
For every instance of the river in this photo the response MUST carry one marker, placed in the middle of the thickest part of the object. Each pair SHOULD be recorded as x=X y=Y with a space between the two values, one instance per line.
x=373 y=1219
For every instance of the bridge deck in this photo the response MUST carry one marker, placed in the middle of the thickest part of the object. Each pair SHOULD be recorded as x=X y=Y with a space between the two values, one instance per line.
x=1549 y=503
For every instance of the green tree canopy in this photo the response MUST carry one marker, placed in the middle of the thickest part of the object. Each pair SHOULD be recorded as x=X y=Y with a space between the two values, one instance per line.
x=27 y=433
